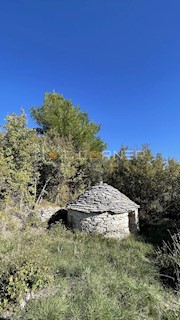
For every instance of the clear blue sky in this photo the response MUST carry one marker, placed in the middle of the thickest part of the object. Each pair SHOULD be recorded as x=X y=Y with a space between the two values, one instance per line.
x=118 y=59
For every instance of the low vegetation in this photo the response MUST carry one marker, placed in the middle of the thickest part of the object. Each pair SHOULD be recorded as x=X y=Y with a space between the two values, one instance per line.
x=82 y=276
x=168 y=257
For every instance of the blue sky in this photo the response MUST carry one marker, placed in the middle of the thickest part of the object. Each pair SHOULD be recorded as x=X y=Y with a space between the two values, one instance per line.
x=118 y=59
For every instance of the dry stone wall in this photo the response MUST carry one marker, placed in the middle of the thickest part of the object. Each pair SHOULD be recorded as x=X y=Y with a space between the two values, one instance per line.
x=107 y=224
x=45 y=213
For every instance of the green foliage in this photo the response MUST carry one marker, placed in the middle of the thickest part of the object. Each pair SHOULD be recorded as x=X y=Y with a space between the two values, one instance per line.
x=64 y=173
x=10 y=221
x=20 y=160
x=61 y=172
x=96 y=278
x=15 y=283
x=93 y=278
x=168 y=258
x=149 y=180
x=24 y=265
x=70 y=122
x=47 y=167
x=53 y=308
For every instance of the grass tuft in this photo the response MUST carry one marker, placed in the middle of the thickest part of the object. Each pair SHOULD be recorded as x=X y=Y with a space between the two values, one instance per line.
x=92 y=277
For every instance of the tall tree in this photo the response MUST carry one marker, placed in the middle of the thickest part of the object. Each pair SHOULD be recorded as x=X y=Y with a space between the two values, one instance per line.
x=20 y=159
x=70 y=122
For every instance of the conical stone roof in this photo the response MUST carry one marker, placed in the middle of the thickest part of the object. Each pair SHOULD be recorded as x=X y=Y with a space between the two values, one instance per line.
x=103 y=198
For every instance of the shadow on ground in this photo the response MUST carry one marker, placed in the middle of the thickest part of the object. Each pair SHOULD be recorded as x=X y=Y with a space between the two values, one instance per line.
x=157 y=235
x=59 y=216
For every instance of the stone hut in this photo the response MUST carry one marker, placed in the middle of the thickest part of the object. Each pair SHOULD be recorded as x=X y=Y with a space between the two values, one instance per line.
x=105 y=210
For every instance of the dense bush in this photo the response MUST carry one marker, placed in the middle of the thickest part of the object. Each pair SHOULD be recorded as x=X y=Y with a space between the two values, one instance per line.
x=16 y=282
x=151 y=181
x=168 y=258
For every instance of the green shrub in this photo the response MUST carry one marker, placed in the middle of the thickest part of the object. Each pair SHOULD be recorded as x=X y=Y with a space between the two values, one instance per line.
x=16 y=282
x=168 y=258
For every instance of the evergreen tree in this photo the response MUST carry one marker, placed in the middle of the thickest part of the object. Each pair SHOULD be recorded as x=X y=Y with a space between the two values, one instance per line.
x=70 y=122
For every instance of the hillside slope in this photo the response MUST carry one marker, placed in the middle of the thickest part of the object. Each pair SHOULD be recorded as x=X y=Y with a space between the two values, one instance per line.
x=82 y=277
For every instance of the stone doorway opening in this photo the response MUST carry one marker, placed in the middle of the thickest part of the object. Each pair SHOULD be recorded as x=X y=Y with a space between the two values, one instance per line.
x=132 y=222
